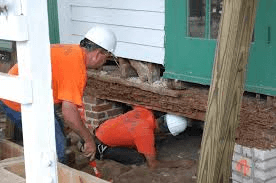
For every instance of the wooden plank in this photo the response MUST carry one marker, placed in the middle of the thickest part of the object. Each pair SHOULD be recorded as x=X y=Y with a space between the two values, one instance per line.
x=190 y=103
x=137 y=5
x=67 y=174
x=142 y=19
x=21 y=89
x=147 y=37
x=38 y=117
x=142 y=86
x=14 y=168
x=10 y=149
x=224 y=101
x=14 y=28
x=269 y=101
x=7 y=177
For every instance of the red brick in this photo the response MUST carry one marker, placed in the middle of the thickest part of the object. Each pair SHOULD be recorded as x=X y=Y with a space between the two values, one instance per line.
x=91 y=128
x=88 y=122
x=97 y=122
x=103 y=107
x=95 y=115
x=114 y=112
x=92 y=100
x=88 y=107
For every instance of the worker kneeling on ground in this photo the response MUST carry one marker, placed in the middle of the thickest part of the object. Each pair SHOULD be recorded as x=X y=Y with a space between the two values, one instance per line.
x=69 y=65
x=119 y=138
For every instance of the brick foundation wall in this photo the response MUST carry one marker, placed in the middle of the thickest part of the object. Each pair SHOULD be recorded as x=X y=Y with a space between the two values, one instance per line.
x=98 y=110
x=251 y=165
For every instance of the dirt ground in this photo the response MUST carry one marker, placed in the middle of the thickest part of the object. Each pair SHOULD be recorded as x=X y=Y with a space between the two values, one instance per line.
x=180 y=148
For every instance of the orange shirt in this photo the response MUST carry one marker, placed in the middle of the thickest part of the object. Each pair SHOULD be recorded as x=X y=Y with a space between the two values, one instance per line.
x=68 y=74
x=134 y=128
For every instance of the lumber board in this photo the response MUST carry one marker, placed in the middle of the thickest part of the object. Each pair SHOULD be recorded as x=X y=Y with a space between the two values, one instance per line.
x=180 y=102
x=225 y=96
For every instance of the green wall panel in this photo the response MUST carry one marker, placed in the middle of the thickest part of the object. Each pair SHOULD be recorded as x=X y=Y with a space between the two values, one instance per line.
x=53 y=21
x=191 y=59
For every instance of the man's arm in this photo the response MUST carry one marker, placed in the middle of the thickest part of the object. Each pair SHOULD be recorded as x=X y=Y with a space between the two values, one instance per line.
x=151 y=161
x=73 y=120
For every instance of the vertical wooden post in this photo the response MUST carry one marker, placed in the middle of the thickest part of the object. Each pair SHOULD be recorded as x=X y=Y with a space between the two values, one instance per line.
x=38 y=117
x=222 y=117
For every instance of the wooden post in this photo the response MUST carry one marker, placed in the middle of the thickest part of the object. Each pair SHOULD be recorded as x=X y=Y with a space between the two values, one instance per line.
x=226 y=90
x=27 y=24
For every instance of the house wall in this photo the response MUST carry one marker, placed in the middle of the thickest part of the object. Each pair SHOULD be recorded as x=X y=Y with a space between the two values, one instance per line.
x=138 y=25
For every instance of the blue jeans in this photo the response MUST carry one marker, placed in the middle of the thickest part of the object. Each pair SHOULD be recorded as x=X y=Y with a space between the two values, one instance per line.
x=15 y=117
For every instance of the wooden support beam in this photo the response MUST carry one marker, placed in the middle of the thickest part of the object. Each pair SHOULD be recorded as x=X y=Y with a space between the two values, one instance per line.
x=125 y=68
x=255 y=117
x=225 y=96
x=146 y=71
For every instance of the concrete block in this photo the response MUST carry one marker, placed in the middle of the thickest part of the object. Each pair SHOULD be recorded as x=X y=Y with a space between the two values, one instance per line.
x=265 y=175
x=264 y=154
x=236 y=157
x=247 y=152
x=273 y=180
x=264 y=165
x=242 y=159
x=256 y=180
x=253 y=165
x=238 y=149
x=243 y=168
x=238 y=178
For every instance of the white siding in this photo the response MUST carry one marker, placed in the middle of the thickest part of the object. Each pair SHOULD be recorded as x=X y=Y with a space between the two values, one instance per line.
x=138 y=25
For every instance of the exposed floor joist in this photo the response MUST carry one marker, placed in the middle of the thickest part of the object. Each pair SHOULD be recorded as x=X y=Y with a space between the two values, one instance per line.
x=257 y=116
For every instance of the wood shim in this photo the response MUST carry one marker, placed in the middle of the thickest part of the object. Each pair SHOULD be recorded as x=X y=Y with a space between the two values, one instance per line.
x=255 y=117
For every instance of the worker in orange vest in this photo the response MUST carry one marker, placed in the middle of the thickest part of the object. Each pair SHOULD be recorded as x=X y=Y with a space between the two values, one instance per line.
x=130 y=137
x=69 y=65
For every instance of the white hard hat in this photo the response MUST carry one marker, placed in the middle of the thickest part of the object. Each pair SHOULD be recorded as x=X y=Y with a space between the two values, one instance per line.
x=176 y=124
x=102 y=37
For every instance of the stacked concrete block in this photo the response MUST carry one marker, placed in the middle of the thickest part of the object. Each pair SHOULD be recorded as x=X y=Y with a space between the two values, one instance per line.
x=251 y=165
x=98 y=110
